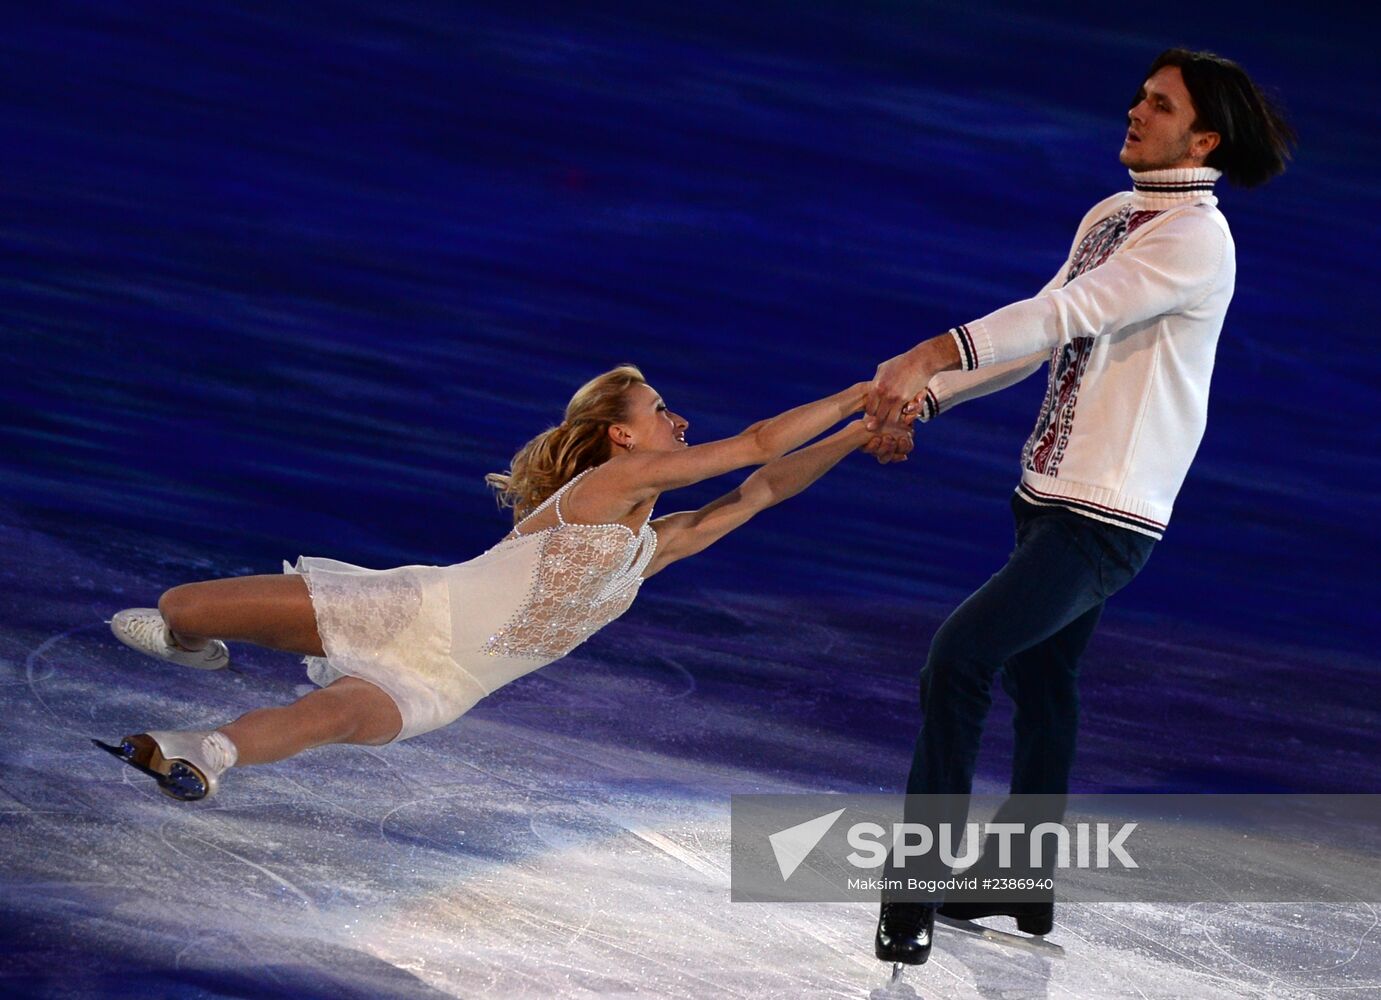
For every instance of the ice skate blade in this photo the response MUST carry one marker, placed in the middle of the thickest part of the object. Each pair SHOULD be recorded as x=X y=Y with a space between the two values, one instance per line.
x=1038 y=945
x=176 y=778
x=895 y=988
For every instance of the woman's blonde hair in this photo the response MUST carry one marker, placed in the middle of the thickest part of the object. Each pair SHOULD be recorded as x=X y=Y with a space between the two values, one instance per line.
x=581 y=441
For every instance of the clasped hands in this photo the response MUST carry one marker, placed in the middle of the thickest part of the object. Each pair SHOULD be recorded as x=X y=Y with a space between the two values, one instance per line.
x=892 y=405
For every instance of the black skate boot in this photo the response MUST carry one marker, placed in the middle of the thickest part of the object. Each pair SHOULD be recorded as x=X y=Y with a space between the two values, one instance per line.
x=904 y=932
x=1032 y=918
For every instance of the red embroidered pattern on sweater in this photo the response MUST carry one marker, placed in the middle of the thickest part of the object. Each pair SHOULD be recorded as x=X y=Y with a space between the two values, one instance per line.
x=1045 y=448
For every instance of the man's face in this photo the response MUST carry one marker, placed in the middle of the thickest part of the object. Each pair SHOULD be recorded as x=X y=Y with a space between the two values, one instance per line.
x=1158 y=126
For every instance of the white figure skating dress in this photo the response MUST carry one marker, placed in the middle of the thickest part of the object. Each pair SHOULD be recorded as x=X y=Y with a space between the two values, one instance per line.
x=437 y=639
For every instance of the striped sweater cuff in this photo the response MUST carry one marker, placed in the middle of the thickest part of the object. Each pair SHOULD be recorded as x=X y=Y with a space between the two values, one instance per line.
x=930 y=407
x=968 y=353
x=975 y=345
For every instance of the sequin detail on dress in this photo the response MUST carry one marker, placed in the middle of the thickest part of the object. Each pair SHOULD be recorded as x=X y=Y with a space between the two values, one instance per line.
x=586 y=576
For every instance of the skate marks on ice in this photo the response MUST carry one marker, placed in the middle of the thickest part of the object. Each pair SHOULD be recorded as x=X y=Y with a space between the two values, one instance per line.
x=1109 y=950
x=629 y=897
x=613 y=911
x=40 y=667
x=1023 y=942
x=166 y=901
x=528 y=852
x=427 y=868
x=182 y=836
x=1273 y=949
x=691 y=859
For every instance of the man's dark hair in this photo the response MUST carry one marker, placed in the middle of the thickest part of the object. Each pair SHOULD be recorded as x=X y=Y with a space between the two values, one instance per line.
x=1255 y=139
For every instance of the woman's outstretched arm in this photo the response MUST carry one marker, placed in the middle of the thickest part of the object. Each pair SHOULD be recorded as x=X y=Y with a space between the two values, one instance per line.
x=688 y=532
x=643 y=474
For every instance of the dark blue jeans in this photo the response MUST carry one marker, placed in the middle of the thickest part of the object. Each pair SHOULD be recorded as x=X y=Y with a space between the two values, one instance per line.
x=1030 y=622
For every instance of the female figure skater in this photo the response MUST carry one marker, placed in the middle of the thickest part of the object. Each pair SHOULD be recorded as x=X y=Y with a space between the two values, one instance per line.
x=403 y=651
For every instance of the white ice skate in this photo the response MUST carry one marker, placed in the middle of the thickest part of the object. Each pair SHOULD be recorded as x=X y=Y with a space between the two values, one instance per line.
x=182 y=763
x=144 y=629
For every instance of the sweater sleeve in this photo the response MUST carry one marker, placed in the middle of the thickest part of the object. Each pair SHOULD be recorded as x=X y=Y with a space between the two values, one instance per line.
x=1170 y=269
x=948 y=389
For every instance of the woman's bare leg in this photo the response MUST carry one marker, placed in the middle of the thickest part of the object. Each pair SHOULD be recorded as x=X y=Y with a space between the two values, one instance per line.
x=273 y=611
x=349 y=710
x=276 y=611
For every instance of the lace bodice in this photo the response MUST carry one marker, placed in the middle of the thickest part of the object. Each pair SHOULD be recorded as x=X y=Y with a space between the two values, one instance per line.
x=585 y=576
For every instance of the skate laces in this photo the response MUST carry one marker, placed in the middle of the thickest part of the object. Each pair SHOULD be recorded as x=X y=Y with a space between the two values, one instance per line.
x=149 y=631
x=221 y=752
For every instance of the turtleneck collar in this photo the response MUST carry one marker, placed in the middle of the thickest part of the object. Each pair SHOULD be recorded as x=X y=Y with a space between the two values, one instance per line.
x=1158 y=189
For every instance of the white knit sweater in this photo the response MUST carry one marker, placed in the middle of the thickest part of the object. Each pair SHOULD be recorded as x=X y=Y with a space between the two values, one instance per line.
x=1129 y=326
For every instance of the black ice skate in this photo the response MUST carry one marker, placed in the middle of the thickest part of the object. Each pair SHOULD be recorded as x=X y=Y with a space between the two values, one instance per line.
x=1032 y=918
x=904 y=932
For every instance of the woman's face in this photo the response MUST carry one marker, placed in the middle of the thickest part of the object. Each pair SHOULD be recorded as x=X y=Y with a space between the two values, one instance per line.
x=650 y=425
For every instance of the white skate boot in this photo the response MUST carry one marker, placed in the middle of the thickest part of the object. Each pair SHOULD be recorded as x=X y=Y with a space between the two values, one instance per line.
x=187 y=765
x=144 y=629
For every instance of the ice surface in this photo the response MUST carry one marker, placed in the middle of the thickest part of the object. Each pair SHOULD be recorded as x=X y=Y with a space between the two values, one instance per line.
x=543 y=846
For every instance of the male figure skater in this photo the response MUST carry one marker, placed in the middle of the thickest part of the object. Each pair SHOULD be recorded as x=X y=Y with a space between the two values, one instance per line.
x=1129 y=327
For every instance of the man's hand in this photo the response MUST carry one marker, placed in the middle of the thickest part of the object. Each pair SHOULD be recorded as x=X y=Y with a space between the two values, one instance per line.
x=893 y=442
x=896 y=384
x=903 y=379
